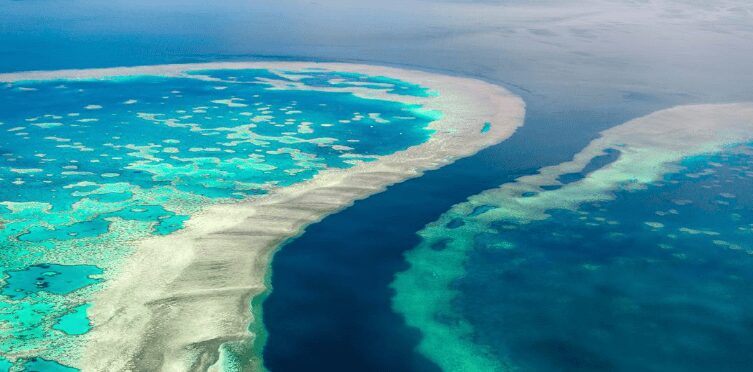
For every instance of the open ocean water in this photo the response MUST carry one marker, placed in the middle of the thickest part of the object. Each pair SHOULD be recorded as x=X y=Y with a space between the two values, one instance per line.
x=558 y=301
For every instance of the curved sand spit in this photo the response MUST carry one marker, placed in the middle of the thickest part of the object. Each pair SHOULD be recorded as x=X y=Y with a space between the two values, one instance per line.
x=179 y=298
x=649 y=147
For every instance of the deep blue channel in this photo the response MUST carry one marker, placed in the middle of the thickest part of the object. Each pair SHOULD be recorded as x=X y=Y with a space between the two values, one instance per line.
x=330 y=307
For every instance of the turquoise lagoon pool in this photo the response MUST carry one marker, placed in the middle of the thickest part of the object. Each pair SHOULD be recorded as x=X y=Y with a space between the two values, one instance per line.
x=89 y=166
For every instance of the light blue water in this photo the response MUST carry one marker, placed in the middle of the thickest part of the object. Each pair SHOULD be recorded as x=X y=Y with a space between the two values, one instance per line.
x=91 y=165
x=44 y=365
x=580 y=73
x=75 y=322
x=55 y=279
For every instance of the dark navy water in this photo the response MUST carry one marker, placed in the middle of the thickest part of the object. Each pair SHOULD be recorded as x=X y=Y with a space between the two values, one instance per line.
x=656 y=280
x=331 y=303
x=596 y=163
x=330 y=308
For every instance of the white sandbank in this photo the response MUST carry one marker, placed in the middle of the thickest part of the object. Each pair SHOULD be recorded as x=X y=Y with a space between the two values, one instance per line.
x=649 y=146
x=178 y=298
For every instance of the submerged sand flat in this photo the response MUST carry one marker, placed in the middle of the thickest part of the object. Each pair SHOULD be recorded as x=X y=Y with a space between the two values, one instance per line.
x=649 y=147
x=181 y=301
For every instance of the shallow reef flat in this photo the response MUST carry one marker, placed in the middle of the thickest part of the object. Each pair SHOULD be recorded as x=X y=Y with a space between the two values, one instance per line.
x=146 y=202
x=548 y=271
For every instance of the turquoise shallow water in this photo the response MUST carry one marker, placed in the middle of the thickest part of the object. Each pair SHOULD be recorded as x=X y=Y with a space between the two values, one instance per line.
x=656 y=279
x=91 y=165
x=55 y=279
x=608 y=68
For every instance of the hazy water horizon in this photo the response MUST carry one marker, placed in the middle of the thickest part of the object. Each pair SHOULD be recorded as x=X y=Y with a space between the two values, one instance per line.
x=581 y=67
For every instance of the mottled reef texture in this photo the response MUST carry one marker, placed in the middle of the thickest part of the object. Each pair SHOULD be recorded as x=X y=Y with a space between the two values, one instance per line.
x=181 y=301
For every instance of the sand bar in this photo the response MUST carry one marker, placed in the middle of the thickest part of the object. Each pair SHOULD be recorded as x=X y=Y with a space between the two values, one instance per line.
x=650 y=147
x=179 y=298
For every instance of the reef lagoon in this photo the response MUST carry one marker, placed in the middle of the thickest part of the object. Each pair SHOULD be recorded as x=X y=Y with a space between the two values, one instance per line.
x=634 y=255
x=99 y=161
x=583 y=241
